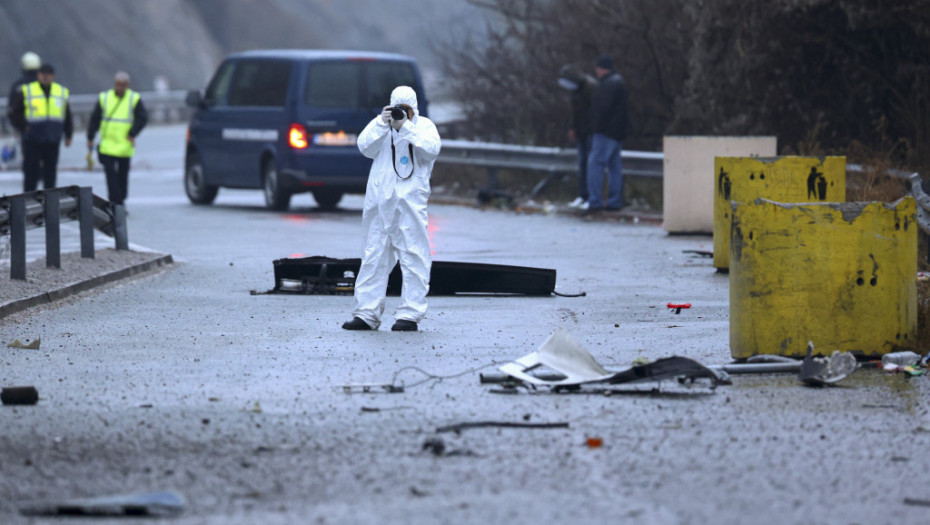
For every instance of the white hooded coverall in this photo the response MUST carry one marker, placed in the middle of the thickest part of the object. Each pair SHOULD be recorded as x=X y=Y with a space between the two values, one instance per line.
x=394 y=219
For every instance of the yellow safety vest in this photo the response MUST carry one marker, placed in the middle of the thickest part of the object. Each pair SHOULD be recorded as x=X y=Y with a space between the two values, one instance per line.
x=40 y=108
x=117 y=117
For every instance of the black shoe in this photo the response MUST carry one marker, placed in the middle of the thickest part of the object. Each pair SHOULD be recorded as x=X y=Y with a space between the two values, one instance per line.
x=403 y=325
x=355 y=324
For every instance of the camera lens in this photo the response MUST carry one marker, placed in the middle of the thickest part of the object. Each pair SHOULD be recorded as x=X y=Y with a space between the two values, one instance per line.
x=398 y=113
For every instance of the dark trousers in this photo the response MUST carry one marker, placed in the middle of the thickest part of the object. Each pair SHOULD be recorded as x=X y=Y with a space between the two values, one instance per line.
x=117 y=170
x=40 y=161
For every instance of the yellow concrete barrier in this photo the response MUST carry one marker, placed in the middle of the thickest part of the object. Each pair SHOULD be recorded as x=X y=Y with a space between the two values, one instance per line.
x=781 y=179
x=839 y=274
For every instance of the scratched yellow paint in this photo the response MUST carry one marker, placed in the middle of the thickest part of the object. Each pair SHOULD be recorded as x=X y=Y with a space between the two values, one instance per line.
x=842 y=275
x=782 y=179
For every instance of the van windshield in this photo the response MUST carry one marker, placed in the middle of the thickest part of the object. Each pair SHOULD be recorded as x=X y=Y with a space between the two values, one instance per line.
x=356 y=85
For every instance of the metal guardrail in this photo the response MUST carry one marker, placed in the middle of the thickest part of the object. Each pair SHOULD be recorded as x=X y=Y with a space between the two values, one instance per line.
x=490 y=155
x=48 y=208
x=554 y=161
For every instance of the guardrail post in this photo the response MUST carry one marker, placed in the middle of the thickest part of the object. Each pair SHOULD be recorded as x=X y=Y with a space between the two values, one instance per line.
x=492 y=179
x=86 y=220
x=119 y=227
x=18 y=237
x=52 y=228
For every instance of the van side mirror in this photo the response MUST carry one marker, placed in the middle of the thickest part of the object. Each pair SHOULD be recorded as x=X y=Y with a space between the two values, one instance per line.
x=195 y=99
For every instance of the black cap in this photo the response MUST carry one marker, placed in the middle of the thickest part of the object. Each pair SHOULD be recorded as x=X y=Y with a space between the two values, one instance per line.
x=47 y=69
x=605 y=62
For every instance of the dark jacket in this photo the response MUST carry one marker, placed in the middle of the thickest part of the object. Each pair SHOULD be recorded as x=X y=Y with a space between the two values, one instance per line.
x=28 y=77
x=44 y=132
x=140 y=118
x=582 y=99
x=610 y=107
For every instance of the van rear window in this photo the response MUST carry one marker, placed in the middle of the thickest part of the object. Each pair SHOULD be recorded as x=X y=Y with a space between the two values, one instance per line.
x=260 y=83
x=356 y=85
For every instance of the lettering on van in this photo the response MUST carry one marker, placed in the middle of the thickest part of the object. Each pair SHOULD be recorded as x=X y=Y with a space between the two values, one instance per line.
x=250 y=134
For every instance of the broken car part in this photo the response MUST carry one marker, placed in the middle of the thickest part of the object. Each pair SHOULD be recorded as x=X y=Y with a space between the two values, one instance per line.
x=143 y=504
x=564 y=355
x=826 y=371
x=326 y=275
x=19 y=395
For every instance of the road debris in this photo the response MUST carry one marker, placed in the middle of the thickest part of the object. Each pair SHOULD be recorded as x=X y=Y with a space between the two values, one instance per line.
x=19 y=395
x=437 y=447
x=155 y=504
x=564 y=355
x=678 y=306
x=371 y=388
x=458 y=427
x=906 y=358
x=594 y=442
x=34 y=345
x=826 y=371
x=699 y=253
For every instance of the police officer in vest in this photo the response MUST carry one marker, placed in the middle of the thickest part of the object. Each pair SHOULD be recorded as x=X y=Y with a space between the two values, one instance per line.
x=42 y=115
x=119 y=115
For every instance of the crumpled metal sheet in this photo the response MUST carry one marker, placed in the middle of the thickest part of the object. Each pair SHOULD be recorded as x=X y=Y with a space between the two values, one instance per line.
x=563 y=354
x=826 y=371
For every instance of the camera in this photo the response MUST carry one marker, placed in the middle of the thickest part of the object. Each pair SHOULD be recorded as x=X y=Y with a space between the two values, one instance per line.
x=398 y=112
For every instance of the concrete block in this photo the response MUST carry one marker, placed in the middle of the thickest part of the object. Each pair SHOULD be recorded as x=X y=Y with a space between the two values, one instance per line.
x=842 y=275
x=688 y=179
x=781 y=179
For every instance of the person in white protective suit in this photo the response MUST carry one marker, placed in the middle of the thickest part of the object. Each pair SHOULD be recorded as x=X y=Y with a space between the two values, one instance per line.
x=404 y=147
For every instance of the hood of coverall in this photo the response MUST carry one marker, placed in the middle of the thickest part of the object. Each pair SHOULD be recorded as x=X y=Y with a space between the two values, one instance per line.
x=405 y=95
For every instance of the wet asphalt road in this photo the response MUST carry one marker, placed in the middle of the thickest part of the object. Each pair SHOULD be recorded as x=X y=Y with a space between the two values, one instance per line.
x=184 y=381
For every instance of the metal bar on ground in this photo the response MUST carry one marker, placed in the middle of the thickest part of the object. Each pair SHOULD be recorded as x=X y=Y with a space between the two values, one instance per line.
x=18 y=237
x=119 y=227
x=86 y=221
x=53 y=228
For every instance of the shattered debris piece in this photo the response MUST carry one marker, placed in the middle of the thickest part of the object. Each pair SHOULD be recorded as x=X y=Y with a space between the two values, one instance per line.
x=436 y=446
x=34 y=345
x=19 y=395
x=594 y=442
x=142 y=504
x=824 y=371
x=564 y=355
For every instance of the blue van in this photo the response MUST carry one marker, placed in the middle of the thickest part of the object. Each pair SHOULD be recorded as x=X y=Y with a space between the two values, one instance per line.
x=286 y=122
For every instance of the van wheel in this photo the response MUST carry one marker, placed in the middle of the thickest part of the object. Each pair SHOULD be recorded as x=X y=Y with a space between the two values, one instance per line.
x=276 y=198
x=198 y=191
x=327 y=200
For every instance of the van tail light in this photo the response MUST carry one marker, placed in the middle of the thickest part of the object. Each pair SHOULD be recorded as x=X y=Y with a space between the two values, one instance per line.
x=297 y=136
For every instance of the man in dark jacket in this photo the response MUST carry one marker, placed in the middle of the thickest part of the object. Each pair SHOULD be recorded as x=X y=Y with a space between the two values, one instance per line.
x=582 y=88
x=610 y=120
x=30 y=63
x=42 y=115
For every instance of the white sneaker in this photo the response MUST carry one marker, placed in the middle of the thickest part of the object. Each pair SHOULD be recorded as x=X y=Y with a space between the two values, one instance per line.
x=584 y=205
x=576 y=203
